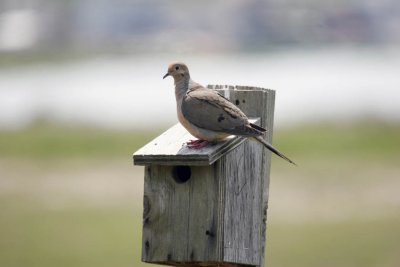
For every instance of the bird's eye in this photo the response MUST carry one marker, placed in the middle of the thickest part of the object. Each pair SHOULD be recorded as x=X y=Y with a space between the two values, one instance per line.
x=177 y=67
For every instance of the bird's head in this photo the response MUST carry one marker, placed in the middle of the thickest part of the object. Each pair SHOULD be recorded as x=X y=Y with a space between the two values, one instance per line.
x=178 y=71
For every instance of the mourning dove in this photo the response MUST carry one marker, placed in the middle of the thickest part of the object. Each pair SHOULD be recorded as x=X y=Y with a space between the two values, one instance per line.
x=209 y=116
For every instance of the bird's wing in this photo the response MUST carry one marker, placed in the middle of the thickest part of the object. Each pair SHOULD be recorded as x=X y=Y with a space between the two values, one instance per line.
x=206 y=109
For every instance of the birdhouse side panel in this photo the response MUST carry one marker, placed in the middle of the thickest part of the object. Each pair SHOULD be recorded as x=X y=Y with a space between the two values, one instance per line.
x=243 y=220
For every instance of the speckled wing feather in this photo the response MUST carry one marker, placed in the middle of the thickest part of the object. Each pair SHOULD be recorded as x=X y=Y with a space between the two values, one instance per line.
x=206 y=109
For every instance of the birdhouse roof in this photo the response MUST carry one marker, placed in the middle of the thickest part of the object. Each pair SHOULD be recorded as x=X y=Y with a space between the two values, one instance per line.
x=170 y=149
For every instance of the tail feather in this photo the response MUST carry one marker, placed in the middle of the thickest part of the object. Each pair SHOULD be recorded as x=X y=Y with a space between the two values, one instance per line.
x=259 y=128
x=272 y=149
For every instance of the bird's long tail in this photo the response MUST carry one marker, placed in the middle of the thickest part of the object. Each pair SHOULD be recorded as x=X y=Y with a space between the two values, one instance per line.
x=273 y=149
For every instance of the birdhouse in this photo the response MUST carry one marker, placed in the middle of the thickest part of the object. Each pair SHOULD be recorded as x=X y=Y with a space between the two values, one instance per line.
x=208 y=206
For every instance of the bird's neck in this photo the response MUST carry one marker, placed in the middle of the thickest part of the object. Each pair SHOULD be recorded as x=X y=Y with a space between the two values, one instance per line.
x=181 y=87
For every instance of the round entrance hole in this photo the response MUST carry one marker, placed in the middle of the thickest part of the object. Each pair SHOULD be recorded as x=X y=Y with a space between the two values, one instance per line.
x=181 y=173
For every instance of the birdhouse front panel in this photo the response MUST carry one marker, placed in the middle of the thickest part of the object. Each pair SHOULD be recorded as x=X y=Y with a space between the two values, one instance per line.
x=182 y=212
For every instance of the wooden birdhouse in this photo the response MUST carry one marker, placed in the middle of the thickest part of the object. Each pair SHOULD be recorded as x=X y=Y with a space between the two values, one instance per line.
x=208 y=207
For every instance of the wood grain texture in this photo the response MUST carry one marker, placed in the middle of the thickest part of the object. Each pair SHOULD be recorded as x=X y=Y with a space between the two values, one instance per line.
x=208 y=219
x=257 y=102
x=218 y=216
x=180 y=219
x=241 y=172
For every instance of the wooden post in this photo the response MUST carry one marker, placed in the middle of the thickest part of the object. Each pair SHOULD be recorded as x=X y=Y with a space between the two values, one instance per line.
x=208 y=207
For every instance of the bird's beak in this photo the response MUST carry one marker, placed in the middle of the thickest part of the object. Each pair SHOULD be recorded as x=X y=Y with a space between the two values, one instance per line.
x=166 y=75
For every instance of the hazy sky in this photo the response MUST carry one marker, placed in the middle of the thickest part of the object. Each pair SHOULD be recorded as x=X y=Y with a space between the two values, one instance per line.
x=128 y=92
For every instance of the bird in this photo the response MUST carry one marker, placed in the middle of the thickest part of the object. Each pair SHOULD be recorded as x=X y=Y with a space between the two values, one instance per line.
x=209 y=116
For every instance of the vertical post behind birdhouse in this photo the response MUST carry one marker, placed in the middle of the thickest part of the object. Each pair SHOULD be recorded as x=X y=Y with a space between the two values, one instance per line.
x=256 y=102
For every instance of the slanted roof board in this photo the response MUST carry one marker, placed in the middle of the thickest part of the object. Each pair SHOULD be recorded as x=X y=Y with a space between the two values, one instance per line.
x=170 y=149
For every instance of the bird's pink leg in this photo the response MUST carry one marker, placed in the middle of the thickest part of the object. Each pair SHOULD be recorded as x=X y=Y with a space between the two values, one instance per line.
x=197 y=144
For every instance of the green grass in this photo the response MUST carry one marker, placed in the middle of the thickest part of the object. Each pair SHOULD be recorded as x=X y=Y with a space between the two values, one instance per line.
x=36 y=230
x=34 y=236
x=55 y=142
x=369 y=140
x=43 y=141
x=348 y=243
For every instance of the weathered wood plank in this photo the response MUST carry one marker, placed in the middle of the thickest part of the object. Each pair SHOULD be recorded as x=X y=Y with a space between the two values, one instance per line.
x=203 y=238
x=166 y=210
x=169 y=149
x=267 y=121
x=180 y=219
x=255 y=102
x=242 y=223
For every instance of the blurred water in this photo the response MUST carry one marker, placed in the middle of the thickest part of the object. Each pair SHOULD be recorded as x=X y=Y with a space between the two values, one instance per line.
x=127 y=92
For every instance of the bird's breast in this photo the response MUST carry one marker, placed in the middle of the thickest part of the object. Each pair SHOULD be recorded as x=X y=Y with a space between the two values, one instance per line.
x=198 y=132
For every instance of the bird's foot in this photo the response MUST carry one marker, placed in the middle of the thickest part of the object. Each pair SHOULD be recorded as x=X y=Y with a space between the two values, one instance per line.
x=197 y=144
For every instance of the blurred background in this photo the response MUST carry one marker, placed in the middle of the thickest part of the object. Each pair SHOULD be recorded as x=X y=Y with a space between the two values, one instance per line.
x=81 y=89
